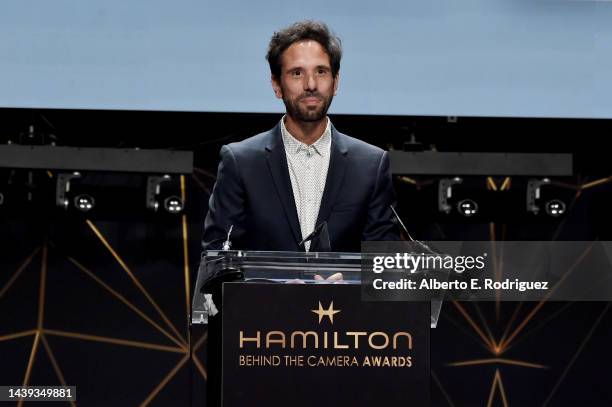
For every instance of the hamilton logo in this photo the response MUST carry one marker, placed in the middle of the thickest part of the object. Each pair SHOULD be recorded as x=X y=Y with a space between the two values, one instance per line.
x=329 y=312
x=324 y=339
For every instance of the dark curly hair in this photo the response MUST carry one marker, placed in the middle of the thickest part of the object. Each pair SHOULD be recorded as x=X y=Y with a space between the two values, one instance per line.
x=304 y=30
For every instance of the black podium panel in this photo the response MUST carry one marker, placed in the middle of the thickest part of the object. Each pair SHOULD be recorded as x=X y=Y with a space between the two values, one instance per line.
x=320 y=345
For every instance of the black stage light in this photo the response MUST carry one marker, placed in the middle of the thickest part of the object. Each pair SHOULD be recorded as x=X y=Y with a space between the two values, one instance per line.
x=173 y=204
x=467 y=207
x=62 y=189
x=164 y=192
x=84 y=202
x=553 y=194
x=445 y=193
x=100 y=194
x=555 y=207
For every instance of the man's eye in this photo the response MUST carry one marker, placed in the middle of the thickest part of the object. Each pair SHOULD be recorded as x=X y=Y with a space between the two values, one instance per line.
x=297 y=73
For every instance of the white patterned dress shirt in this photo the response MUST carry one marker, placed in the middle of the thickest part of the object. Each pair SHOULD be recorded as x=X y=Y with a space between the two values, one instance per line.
x=308 y=166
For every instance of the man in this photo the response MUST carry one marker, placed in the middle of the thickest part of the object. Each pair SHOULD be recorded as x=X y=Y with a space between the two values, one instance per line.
x=274 y=189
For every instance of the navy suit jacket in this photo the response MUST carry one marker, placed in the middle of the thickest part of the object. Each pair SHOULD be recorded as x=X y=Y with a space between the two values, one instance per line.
x=253 y=193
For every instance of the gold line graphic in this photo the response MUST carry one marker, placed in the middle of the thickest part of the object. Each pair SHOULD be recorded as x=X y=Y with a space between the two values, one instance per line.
x=484 y=322
x=8 y=337
x=491 y=184
x=444 y=393
x=43 y=284
x=56 y=367
x=596 y=182
x=490 y=345
x=506 y=344
x=578 y=351
x=186 y=258
x=500 y=273
x=165 y=381
x=566 y=185
x=496 y=267
x=406 y=179
x=200 y=341
x=501 y=361
x=510 y=323
x=497 y=382
x=26 y=379
x=135 y=280
x=194 y=357
x=125 y=301
x=542 y=324
x=186 y=268
x=506 y=184
x=41 y=308
x=200 y=367
x=463 y=328
x=594 y=285
x=183 y=194
x=22 y=267
x=114 y=341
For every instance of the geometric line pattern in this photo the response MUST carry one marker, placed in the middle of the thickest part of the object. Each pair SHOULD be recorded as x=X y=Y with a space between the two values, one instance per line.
x=512 y=332
x=40 y=333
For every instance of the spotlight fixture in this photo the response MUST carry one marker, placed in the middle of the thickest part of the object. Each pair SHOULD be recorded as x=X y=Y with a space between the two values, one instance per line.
x=467 y=208
x=154 y=189
x=164 y=192
x=555 y=208
x=445 y=193
x=1 y=198
x=76 y=191
x=534 y=193
x=84 y=202
x=173 y=204
x=62 y=188
x=544 y=194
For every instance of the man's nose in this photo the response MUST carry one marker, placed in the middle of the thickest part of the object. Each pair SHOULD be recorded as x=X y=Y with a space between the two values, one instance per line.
x=310 y=83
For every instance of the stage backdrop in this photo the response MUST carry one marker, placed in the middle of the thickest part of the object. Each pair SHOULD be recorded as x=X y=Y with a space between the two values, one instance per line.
x=99 y=301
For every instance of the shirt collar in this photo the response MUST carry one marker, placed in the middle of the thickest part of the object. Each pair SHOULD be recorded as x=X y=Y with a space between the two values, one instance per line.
x=294 y=146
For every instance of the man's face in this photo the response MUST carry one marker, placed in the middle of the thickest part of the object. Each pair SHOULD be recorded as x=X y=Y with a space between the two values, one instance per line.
x=306 y=84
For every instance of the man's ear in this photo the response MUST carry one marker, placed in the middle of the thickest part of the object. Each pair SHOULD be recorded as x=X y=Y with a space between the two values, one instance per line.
x=276 y=86
x=336 y=83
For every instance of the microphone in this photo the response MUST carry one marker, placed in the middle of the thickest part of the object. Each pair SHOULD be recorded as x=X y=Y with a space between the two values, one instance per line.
x=228 y=244
x=319 y=230
x=401 y=223
x=418 y=242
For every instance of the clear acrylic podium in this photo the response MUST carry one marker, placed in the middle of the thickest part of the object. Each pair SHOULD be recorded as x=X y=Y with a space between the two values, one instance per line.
x=285 y=269
x=220 y=266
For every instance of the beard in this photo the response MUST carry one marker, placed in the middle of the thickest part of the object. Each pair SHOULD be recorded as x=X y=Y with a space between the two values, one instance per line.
x=302 y=113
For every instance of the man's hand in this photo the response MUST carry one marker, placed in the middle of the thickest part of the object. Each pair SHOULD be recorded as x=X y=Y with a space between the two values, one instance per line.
x=334 y=278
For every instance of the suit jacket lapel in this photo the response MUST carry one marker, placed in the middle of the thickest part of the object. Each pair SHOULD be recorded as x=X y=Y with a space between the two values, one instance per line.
x=277 y=163
x=335 y=175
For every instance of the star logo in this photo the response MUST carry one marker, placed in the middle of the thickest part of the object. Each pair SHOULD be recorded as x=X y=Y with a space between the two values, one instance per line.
x=329 y=312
